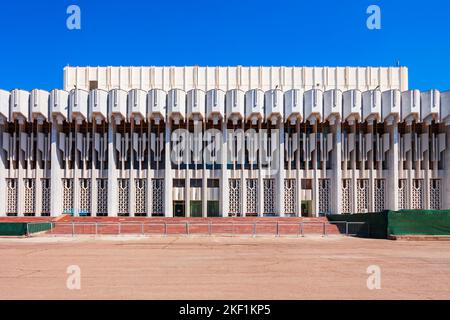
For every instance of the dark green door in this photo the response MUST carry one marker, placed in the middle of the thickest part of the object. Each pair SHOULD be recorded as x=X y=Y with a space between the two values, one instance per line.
x=196 y=209
x=306 y=207
x=178 y=209
x=213 y=208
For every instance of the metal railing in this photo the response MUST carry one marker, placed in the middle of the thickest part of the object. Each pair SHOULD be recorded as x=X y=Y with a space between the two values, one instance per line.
x=298 y=229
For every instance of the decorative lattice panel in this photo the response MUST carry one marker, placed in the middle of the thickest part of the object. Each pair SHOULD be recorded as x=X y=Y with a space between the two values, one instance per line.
x=141 y=197
x=67 y=195
x=46 y=197
x=417 y=194
x=269 y=196
x=124 y=196
x=235 y=197
x=29 y=186
x=85 y=196
x=102 y=197
x=346 y=203
x=402 y=194
x=362 y=195
x=158 y=196
x=435 y=194
x=379 y=195
x=11 y=201
x=252 y=197
x=324 y=195
x=290 y=191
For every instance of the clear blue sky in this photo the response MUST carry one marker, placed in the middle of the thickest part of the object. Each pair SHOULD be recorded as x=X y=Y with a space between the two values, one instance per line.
x=36 y=44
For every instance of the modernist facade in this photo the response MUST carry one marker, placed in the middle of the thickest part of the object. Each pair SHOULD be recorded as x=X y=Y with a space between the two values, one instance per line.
x=224 y=141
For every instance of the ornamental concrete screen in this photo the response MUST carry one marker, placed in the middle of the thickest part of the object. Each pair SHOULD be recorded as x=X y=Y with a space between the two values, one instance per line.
x=224 y=141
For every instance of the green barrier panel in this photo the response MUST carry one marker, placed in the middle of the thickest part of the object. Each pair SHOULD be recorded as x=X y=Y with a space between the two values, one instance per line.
x=419 y=222
x=375 y=223
x=13 y=229
x=39 y=227
x=20 y=228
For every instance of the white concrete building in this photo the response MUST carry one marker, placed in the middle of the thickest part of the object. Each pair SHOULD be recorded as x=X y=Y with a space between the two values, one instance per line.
x=224 y=141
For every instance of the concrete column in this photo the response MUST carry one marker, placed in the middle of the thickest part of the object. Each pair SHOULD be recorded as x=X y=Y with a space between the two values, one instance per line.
x=112 y=170
x=298 y=171
x=393 y=166
x=281 y=172
x=353 y=196
x=260 y=172
x=21 y=170
x=427 y=173
x=56 y=187
x=149 y=177
x=38 y=172
x=168 y=176
x=132 y=172
x=204 y=175
x=336 y=180
x=446 y=181
x=242 y=171
x=224 y=178
x=3 y=171
x=315 y=186
x=187 y=190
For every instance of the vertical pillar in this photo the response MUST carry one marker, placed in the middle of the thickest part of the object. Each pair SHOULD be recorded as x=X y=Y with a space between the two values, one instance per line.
x=315 y=186
x=241 y=157
x=281 y=172
x=168 y=177
x=426 y=159
x=132 y=171
x=187 y=189
x=204 y=172
x=21 y=167
x=446 y=181
x=260 y=193
x=224 y=191
x=3 y=162
x=336 y=180
x=298 y=180
x=112 y=170
x=56 y=207
x=393 y=168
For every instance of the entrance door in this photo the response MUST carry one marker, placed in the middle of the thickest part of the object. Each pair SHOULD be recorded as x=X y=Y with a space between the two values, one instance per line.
x=196 y=209
x=178 y=209
x=306 y=208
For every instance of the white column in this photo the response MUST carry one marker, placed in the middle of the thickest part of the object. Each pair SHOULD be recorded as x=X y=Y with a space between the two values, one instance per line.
x=56 y=187
x=224 y=190
x=315 y=185
x=446 y=181
x=112 y=170
x=204 y=177
x=426 y=159
x=336 y=181
x=3 y=162
x=21 y=170
x=260 y=193
x=298 y=171
x=132 y=172
x=281 y=173
x=393 y=167
x=168 y=177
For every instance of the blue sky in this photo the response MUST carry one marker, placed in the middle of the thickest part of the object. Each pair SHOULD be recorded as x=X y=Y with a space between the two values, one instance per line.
x=36 y=44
